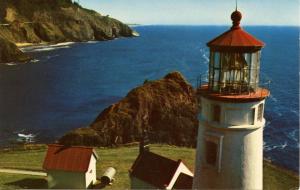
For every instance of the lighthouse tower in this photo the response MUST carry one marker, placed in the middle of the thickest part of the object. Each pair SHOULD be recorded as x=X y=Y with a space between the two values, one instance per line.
x=230 y=134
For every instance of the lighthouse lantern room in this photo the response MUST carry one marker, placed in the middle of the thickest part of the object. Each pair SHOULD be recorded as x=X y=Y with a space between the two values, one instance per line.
x=230 y=134
x=234 y=60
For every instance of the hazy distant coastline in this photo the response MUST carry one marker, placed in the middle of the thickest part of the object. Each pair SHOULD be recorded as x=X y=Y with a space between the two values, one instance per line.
x=27 y=23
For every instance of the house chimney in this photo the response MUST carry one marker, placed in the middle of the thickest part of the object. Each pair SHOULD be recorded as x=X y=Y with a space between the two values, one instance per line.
x=144 y=142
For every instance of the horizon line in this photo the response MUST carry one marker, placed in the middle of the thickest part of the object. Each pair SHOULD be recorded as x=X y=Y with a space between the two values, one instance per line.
x=227 y=25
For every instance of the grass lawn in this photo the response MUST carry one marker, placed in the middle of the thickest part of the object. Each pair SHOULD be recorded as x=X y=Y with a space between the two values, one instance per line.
x=121 y=158
x=17 y=181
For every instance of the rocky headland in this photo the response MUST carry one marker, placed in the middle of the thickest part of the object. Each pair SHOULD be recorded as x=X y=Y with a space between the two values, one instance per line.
x=166 y=108
x=55 y=21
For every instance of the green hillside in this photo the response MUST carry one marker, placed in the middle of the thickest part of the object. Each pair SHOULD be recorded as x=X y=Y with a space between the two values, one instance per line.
x=121 y=158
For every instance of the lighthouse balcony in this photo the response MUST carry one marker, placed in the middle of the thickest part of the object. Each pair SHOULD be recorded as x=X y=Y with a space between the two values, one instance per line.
x=234 y=91
x=259 y=94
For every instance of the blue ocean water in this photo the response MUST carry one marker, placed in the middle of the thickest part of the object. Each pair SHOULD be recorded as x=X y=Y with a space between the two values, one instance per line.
x=69 y=85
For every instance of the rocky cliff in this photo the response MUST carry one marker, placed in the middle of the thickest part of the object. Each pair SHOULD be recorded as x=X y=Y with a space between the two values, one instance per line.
x=9 y=52
x=36 y=21
x=166 y=108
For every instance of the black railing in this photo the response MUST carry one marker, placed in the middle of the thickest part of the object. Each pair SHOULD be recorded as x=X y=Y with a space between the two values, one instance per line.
x=234 y=88
x=202 y=79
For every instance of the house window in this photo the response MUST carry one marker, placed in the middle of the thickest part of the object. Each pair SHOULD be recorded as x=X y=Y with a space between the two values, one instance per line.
x=260 y=112
x=216 y=113
x=213 y=149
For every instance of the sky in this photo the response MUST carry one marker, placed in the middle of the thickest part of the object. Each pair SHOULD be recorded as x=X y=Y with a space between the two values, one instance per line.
x=198 y=12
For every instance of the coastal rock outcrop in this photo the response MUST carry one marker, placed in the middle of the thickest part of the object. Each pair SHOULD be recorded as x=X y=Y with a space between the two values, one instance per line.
x=9 y=52
x=28 y=21
x=166 y=108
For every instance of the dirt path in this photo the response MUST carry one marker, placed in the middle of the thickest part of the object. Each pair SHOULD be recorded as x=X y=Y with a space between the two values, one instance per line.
x=25 y=172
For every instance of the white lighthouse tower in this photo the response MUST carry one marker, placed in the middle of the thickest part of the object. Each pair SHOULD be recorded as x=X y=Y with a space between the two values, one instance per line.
x=230 y=134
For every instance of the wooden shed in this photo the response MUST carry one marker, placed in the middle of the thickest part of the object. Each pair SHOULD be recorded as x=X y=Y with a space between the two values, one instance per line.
x=152 y=171
x=70 y=167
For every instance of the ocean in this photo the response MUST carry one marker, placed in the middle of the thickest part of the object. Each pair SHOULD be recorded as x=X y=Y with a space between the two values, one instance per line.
x=69 y=84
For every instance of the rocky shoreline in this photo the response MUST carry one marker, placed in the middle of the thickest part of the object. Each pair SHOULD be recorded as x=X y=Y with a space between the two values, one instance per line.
x=9 y=52
x=34 y=22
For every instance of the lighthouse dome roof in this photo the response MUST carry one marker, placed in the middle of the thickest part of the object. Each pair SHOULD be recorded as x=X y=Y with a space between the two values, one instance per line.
x=235 y=39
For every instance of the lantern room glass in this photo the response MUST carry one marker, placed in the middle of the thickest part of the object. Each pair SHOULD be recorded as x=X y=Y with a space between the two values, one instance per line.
x=233 y=72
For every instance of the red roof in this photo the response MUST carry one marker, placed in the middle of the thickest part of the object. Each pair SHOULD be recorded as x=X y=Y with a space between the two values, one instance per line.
x=235 y=39
x=154 y=169
x=66 y=158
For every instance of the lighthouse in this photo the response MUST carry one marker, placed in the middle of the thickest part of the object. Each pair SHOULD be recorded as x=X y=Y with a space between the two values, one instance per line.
x=231 y=121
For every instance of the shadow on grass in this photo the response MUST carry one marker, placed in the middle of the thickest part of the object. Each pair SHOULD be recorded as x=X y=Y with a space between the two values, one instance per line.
x=29 y=183
x=99 y=186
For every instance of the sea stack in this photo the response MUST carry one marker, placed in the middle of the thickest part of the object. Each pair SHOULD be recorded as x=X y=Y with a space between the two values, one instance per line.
x=230 y=134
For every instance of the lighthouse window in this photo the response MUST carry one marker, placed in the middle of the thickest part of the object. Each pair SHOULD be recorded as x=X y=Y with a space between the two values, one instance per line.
x=260 y=112
x=211 y=153
x=213 y=149
x=216 y=114
x=252 y=116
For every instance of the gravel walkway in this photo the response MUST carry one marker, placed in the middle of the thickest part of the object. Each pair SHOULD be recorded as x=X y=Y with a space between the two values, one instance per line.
x=25 y=172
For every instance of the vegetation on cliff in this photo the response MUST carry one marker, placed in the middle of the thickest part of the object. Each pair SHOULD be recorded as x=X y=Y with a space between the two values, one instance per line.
x=36 y=21
x=166 y=108
x=9 y=52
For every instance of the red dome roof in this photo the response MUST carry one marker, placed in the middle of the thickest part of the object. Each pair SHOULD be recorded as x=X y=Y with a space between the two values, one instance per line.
x=235 y=39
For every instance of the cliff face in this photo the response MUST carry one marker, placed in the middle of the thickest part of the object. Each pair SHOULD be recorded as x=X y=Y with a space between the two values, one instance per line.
x=35 y=21
x=166 y=108
x=9 y=52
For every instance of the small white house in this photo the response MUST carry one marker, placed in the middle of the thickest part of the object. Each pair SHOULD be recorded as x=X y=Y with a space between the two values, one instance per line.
x=70 y=167
x=152 y=171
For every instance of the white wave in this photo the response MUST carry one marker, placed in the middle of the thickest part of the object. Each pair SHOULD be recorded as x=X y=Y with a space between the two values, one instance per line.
x=92 y=42
x=295 y=112
x=267 y=148
x=205 y=58
x=10 y=64
x=62 y=44
x=293 y=135
x=204 y=55
x=273 y=98
x=268 y=124
x=39 y=48
x=43 y=49
x=49 y=48
x=51 y=56
x=34 y=61
x=30 y=48
x=280 y=146
x=284 y=145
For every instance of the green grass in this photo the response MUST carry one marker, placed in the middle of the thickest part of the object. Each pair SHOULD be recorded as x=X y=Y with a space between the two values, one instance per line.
x=23 y=159
x=122 y=158
x=276 y=178
x=17 y=181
